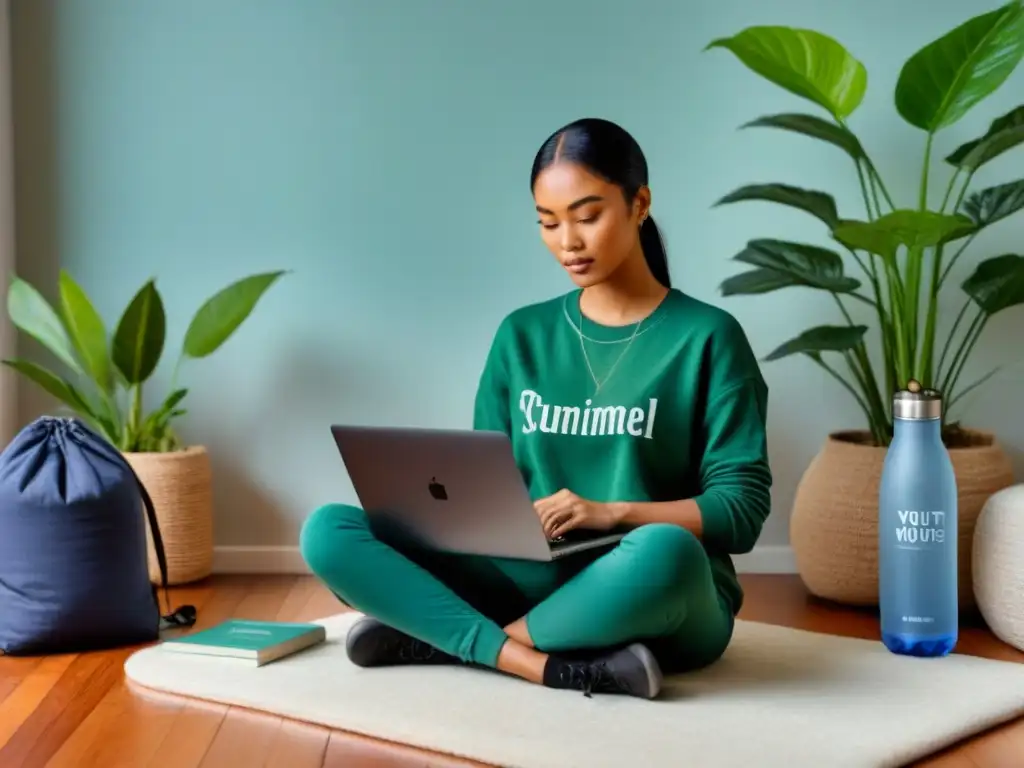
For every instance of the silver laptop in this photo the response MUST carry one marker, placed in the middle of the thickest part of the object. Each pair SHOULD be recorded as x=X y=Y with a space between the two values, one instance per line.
x=452 y=490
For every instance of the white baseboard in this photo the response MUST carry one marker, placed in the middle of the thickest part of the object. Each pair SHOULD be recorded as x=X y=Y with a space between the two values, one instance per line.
x=770 y=558
x=288 y=560
x=282 y=560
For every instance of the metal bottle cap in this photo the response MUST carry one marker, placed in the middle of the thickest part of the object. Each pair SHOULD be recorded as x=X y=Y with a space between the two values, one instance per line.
x=917 y=403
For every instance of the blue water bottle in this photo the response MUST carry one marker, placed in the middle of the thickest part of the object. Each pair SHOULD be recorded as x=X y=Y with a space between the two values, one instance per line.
x=917 y=531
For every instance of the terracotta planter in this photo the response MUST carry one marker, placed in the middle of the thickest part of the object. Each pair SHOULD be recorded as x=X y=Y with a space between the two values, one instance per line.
x=180 y=484
x=834 y=522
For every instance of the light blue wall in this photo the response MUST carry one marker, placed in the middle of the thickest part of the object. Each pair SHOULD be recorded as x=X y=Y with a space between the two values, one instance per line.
x=380 y=150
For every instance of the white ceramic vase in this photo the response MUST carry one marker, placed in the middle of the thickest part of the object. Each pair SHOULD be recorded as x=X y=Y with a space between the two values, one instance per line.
x=998 y=564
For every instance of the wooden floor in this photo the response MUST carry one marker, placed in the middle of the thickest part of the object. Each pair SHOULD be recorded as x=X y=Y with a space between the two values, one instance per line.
x=76 y=711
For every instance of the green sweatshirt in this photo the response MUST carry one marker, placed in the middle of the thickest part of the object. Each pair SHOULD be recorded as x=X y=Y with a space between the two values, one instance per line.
x=682 y=414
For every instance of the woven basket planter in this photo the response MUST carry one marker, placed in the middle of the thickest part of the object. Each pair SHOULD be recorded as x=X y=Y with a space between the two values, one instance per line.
x=834 y=522
x=999 y=565
x=180 y=484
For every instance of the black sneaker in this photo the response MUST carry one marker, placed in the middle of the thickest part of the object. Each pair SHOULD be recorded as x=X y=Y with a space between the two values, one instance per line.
x=373 y=644
x=632 y=671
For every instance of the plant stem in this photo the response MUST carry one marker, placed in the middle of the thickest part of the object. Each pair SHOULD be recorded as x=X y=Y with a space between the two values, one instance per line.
x=885 y=331
x=949 y=190
x=872 y=273
x=889 y=362
x=915 y=258
x=877 y=413
x=949 y=340
x=901 y=353
x=864 y=299
x=842 y=309
x=874 y=195
x=135 y=418
x=925 y=167
x=973 y=385
x=872 y=173
x=963 y=191
x=872 y=213
x=973 y=334
x=865 y=376
x=881 y=184
x=955 y=363
x=852 y=361
x=928 y=350
x=956 y=256
x=867 y=414
x=174 y=373
x=928 y=370
x=928 y=347
x=896 y=360
x=859 y=366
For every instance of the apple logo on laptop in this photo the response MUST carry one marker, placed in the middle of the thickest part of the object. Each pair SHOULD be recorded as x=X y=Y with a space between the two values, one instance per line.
x=437 y=490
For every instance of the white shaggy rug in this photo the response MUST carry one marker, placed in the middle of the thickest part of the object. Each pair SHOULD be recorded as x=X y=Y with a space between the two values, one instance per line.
x=779 y=698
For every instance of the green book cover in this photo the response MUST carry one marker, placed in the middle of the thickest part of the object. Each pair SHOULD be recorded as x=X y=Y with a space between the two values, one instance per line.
x=261 y=641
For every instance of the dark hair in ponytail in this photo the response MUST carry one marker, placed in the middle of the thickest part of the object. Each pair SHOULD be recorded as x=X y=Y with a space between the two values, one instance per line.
x=609 y=151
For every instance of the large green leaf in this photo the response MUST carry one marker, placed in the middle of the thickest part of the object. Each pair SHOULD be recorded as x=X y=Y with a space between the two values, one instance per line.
x=814 y=127
x=140 y=335
x=224 y=312
x=804 y=62
x=32 y=314
x=940 y=83
x=864 y=236
x=52 y=383
x=1003 y=134
x=997 y=283
x=804 y=265
x=819 y=204
x=823 y=338
x=87 y=331
x=756 y=281
x=988 y=206
x=66 y=393
x=908 y=228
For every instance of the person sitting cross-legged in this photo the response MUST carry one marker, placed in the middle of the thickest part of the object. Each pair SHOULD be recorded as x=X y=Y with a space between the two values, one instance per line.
x=629 y=404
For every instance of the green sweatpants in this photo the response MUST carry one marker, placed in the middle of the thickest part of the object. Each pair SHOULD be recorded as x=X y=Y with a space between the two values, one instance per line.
x=654 y=586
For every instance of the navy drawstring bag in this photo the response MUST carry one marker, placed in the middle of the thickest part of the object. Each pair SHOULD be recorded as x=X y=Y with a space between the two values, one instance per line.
x=74 y=566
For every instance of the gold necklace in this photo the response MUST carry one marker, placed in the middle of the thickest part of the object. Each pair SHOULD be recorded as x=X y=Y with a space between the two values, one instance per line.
x=598 y=383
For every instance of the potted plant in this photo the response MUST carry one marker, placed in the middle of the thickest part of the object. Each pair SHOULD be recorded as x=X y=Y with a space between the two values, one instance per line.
x=105 y=390
x=891 y=261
